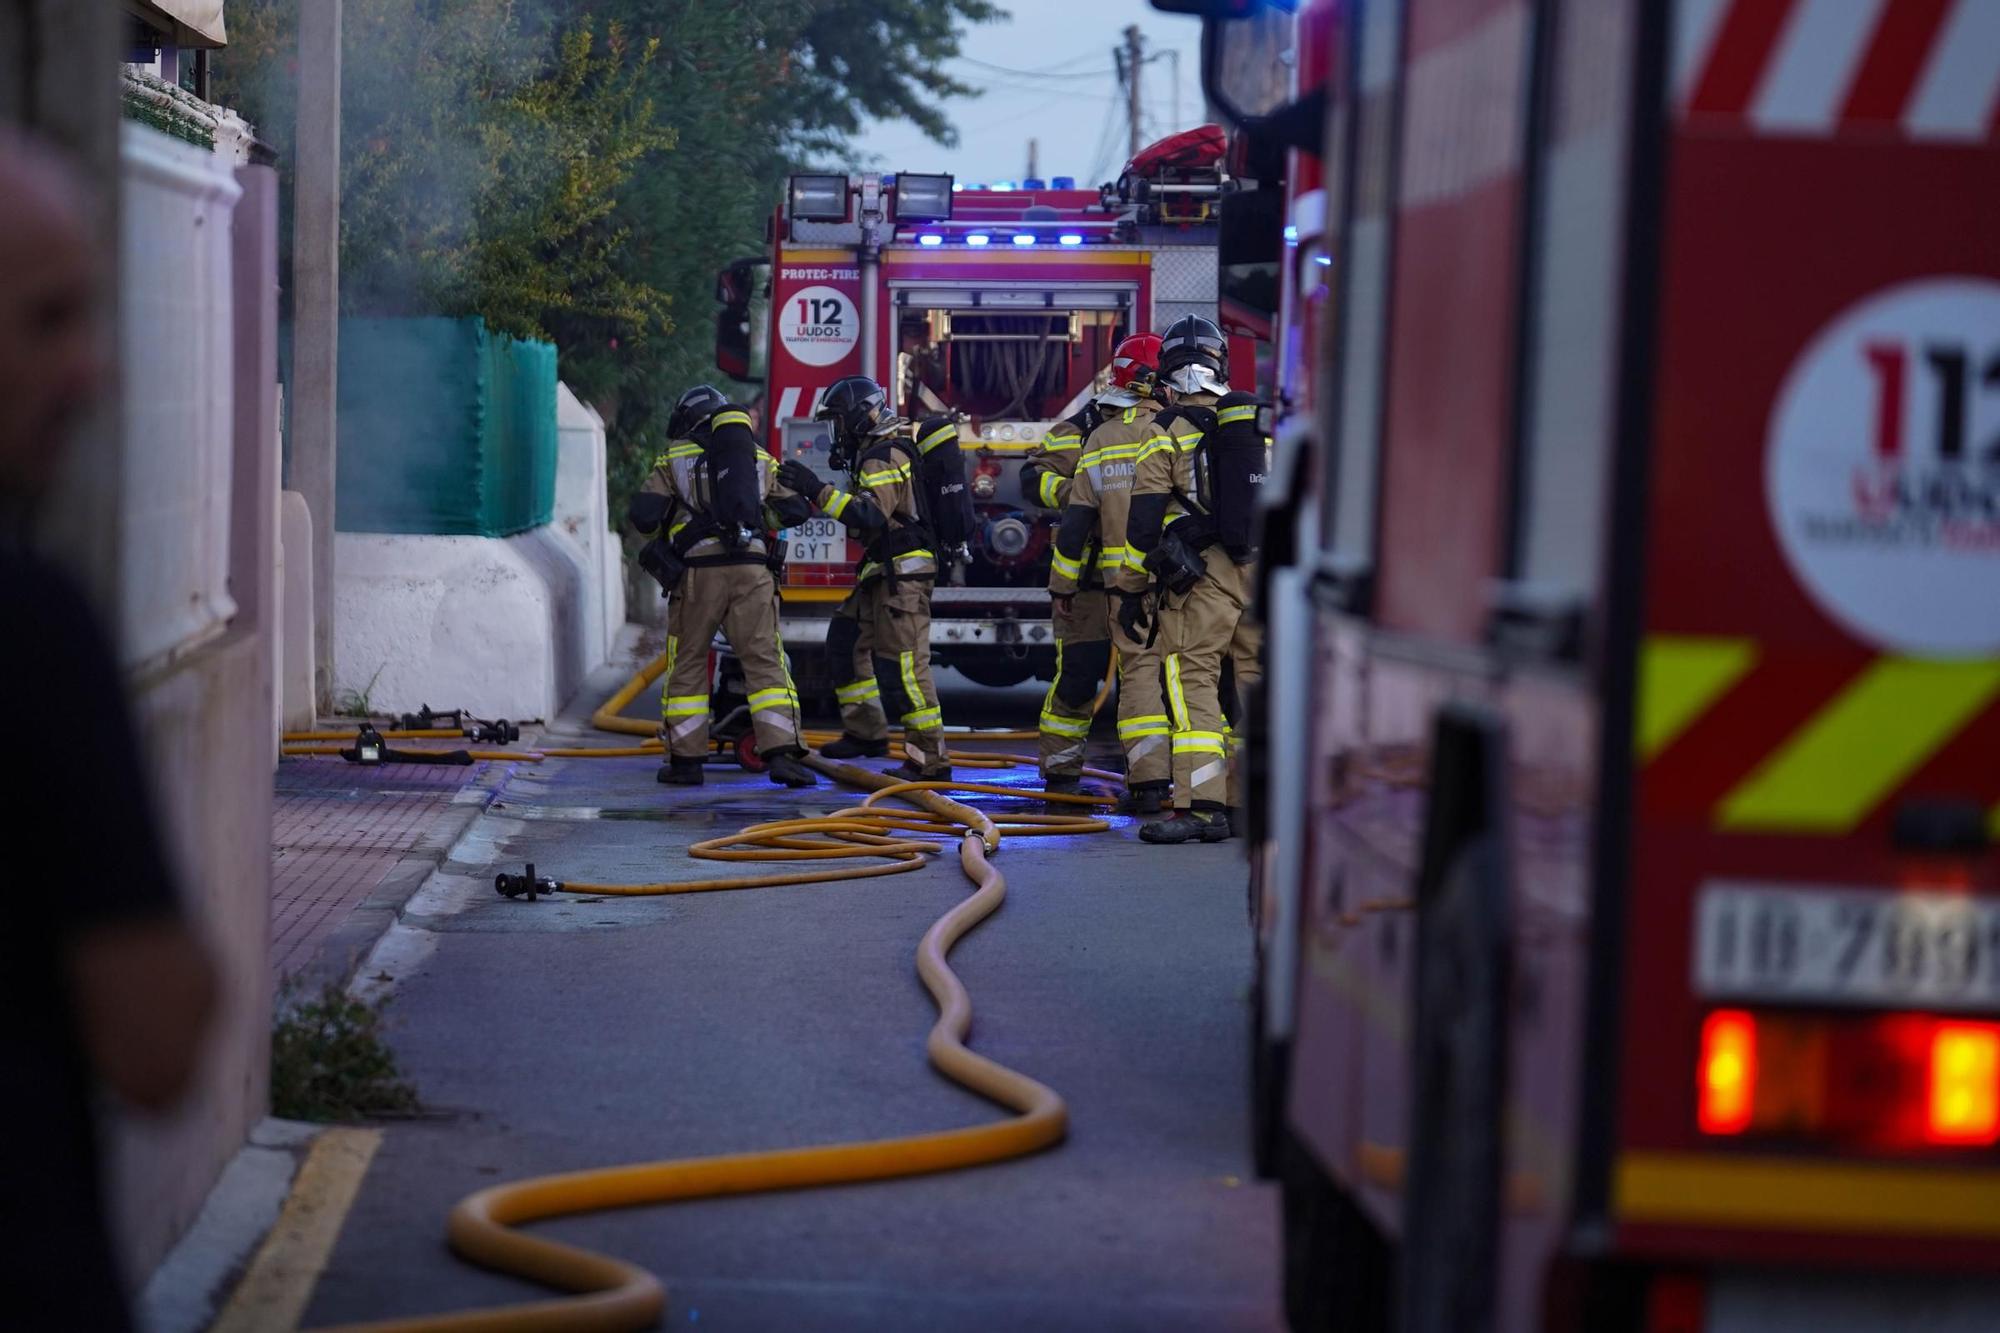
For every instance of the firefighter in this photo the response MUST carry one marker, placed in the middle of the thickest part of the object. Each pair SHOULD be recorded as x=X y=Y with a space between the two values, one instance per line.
x=1081 y=615
x=713 y=501
x=1092 y=540
x=1192 y=526
x=886 y=621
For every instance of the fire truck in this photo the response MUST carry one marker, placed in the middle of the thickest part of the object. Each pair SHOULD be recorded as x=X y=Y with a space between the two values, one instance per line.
x=997 y=307
x=1627 y=911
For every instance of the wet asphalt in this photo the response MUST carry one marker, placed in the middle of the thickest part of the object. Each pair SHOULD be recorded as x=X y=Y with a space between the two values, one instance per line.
x=579 y=1032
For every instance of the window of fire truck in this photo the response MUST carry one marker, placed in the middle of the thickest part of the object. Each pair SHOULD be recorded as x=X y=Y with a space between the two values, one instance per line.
x=1003 y=362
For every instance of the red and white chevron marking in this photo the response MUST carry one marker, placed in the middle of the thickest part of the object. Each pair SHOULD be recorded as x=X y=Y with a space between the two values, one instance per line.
x=1921 y=69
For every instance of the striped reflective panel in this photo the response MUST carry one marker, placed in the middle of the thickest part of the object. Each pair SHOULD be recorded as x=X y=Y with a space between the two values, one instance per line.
x=1199 y=742
x=1056 y=724
x=1063 y=443
x=1680 y=676
x=1149 y=724
x=1112 y=557
x=1051 y=487
x=859 y=691
x=1245 y=412
x=1065 y=566
x=776 y=697
x=936 y=438
x=884 y=475
x=1837 y=768
x=731 y=418
x=684 y=705
x=836 y=504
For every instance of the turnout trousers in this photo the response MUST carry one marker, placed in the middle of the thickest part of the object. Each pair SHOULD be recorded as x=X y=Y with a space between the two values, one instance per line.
x=892 y=634
x=741 y=601
x=1083 y=658
x=1197 y=632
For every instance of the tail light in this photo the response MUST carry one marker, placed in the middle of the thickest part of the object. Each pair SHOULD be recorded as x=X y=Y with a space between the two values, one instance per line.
x=986 y=480
x=1880 y=1081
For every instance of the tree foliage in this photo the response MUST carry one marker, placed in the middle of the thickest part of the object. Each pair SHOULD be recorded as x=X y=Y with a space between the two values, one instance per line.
x=579 y=169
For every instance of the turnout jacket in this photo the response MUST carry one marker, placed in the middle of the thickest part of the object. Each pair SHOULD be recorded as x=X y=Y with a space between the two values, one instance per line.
x=1099 y=505
x=1045 y=476
x=1164 y=484
x=880 y=506
x=678 y=491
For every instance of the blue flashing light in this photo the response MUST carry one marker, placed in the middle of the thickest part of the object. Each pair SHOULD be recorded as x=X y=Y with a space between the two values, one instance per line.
x=977 y=238
x=1070 y=238
x=1064 y=182
x=1003 y=185
x=1324 y=261
x=930 y=238
x=1291 y=235
x=1034 y=183
x=1024 y=238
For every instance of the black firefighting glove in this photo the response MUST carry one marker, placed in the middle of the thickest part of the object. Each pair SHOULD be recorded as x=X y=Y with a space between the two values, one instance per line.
x=1133 y=617
x=798 y=477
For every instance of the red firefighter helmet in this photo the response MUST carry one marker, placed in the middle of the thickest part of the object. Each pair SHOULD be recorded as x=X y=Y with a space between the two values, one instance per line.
x=1136 y=357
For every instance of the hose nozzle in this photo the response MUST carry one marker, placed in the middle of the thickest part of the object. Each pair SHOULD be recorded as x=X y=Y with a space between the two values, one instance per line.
x=529 y=885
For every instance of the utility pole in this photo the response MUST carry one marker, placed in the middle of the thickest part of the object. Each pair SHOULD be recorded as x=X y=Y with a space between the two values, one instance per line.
x=316 y=310
x=1034 y=161
x=1134 y=46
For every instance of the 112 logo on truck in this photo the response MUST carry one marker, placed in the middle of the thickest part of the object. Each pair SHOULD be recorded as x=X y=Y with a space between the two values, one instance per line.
x=1883 y=468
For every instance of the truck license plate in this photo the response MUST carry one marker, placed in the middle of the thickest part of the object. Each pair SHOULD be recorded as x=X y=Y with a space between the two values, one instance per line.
x=1847 y=946
x=817 y=541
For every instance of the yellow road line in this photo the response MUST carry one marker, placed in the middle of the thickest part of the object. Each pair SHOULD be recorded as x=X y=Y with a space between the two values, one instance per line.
x=275 y=1291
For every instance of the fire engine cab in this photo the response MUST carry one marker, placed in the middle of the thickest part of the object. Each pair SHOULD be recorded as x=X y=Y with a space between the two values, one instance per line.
x=997 y=307
x=1627 y=908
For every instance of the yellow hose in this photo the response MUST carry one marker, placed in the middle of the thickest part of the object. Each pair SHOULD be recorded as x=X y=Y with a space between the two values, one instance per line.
x=609 y=716
x=612 y=1294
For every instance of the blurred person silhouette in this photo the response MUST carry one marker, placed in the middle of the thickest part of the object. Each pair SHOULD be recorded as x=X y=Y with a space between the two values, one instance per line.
x=101 y=982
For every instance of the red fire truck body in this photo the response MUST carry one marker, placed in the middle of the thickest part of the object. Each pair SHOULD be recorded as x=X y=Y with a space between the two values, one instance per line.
x=1000 y=310
x=1629 y=924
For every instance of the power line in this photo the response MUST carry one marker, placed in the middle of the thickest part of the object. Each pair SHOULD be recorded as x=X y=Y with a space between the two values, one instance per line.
x=1044 y=72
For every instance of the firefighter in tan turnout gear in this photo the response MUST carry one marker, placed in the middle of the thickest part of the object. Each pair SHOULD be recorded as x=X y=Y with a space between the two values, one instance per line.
x=713 y=502
x=886 y=621
x=1193 y=527
x=1079 y=606
x=1092 y=541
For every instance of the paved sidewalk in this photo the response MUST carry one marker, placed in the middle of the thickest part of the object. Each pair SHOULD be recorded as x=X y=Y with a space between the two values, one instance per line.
x=339 y=831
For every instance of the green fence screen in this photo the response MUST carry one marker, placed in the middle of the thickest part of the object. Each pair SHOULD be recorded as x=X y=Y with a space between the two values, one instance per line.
x=445 y=428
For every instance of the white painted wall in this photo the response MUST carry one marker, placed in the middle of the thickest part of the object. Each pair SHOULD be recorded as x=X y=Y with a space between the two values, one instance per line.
x=581 y=512
x=490 y=624
x=295 y=639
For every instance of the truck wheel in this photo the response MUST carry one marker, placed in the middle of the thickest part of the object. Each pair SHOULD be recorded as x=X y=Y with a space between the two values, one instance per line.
x=746 y=753
x=1338 y=1270
x=994 y=674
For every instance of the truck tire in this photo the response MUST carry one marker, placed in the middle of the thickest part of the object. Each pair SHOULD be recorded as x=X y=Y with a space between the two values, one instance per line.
x=995 y=673
x=1338 y=1269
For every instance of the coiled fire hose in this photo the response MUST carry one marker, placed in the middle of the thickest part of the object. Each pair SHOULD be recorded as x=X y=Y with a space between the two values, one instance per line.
x=612 y=1294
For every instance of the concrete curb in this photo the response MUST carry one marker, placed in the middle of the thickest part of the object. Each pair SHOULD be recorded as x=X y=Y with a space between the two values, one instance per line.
x=342 y=952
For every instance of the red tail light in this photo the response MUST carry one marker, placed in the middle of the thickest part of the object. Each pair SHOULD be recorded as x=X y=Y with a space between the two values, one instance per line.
x=1728 y=1072
x=1877 y=1081
x=1965 y=1083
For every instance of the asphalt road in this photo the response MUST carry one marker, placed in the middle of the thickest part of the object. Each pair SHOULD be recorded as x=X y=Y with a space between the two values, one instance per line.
x=572 y=1033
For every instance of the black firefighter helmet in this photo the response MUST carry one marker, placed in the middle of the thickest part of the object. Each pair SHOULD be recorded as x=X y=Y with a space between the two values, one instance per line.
x=855 y=406
x=692 y=408
x=1194 y=356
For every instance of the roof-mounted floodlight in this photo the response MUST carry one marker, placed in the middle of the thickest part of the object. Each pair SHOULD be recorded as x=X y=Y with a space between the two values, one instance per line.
x=819 y=198
x=923 y=198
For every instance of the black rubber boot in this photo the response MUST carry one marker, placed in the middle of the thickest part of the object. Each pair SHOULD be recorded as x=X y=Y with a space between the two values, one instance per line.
x=853 y=747
x=679 y=772
x=1188 y=826
x=1148 y=798
x=1067 y=784
x=785 y=769
x=910 y=768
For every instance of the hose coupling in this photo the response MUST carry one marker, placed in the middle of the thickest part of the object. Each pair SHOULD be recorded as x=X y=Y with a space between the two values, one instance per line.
x=529 y=885
x=495 y=733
